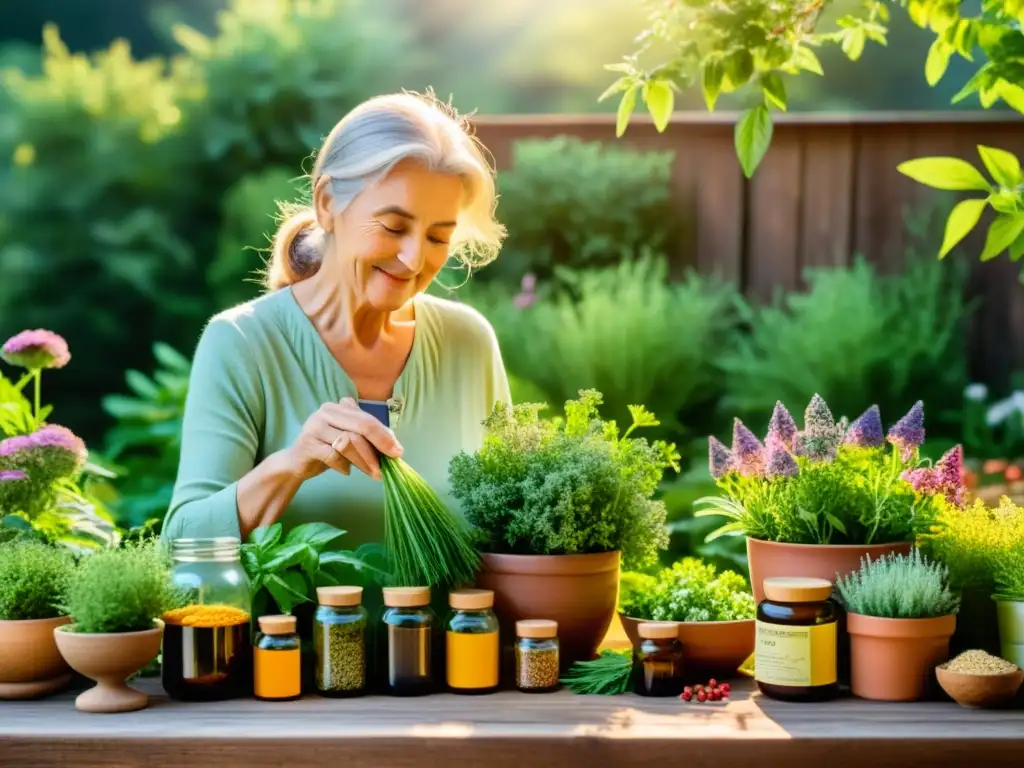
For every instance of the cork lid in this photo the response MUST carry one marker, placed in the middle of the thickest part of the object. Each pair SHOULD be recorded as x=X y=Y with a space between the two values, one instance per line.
x=658 y=630
x=787 y=589
x=277 y=625
x=537 y=628
x=339 y=597
x=406 y=597
x=471 y=599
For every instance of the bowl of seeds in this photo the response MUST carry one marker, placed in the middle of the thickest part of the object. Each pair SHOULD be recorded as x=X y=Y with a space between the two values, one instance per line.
x=976 y=679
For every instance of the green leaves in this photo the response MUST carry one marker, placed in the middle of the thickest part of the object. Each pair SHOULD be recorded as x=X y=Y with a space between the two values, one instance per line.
x=806 y=59
x=950 y=173
x=937 y=62
x=660 y=98
x=626 y=107
x=774 y=90
x=1003 y=166
x=753 y=136
x=961 y=221
x=711 y=75
x=1003 y=232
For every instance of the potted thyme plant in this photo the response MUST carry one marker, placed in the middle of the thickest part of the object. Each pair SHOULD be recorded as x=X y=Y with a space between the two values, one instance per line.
x=114 y=599
x=901 y=616
x=714 y=610
x=556 y=506
x=34 y=578
x=814 y=502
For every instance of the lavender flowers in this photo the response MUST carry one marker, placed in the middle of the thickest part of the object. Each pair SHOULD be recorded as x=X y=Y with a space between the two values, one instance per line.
x=719 y=458
x=747 y=451
x=907 y=434
x=866 y=430
x=36 y=349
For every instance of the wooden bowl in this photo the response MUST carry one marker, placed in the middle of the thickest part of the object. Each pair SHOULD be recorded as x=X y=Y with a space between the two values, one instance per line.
x=980 y=691
x=709 y=647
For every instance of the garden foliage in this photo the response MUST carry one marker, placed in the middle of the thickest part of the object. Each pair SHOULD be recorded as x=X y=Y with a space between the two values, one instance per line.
x=898 y=586
x=689 y=590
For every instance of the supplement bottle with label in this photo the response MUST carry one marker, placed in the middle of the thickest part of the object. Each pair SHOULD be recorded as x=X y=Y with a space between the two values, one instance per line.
x=796 y=652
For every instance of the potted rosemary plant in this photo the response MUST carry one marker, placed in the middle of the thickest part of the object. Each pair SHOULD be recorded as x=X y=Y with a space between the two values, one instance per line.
x=814 y=502
x=34 y=578
x=901 y=615
x=556 y=505
x=114 y=599
x=715 y=613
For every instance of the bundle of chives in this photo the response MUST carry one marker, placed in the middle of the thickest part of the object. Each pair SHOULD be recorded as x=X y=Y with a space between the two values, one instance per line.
x=427 y=545
x=607 y=675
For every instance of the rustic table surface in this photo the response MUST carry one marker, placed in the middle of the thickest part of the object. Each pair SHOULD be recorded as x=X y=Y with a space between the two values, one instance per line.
x=510 y=729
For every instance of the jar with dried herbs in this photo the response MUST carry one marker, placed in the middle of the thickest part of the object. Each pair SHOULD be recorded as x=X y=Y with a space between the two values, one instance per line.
x=207 y=643
x=339 y=636
x=536 y=655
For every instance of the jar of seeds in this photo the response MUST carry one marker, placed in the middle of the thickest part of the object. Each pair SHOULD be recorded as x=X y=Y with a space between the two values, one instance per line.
x=536 y=655
x=339 y=636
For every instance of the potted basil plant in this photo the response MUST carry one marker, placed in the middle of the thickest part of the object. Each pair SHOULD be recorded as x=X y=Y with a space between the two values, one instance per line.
x=556 y=506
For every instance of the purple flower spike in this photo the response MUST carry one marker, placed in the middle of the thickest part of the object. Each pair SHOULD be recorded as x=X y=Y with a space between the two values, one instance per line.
x=908 y=433
x=780 y=463
x=922 y=480
x=719 y=457
x=820 y=437
x=949 y=475
x=36 y=349
x=781 y=428
x=747 y=451
x=866 y=430
x=7 y=475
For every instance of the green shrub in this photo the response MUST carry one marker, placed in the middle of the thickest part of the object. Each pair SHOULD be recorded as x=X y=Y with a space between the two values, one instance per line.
x=584 y=204
x=690 y=590
x=630 y=333
x=854 y=337
x=34 y=579
x=121 y=590
x=898 y=586
x=145 y=441
x=560 y=487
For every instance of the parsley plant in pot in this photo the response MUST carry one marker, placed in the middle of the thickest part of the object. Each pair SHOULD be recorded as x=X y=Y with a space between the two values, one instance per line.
x=557 y=505
x=114 y=599
x=901 y=616
x=33 y=581
x=814 y=502
x=714 y=610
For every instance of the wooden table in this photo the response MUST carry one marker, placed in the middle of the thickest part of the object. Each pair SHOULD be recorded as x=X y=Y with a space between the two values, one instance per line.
x=510 y=729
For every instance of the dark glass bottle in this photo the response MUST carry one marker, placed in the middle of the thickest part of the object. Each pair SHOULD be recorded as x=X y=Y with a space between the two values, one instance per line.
x=796 y=652
x=659 y=671
x=409 y=627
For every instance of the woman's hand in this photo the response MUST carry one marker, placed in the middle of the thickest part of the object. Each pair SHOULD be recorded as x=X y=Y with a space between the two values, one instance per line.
x=340 y=436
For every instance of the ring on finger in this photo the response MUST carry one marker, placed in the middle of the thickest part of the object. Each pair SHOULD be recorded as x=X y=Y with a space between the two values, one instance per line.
x=340 y=443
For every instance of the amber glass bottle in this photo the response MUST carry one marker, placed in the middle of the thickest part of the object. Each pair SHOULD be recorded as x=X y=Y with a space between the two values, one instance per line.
x=796 y=652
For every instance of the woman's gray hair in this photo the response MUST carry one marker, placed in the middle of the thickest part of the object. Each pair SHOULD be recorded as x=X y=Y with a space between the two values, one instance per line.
x=362 y=148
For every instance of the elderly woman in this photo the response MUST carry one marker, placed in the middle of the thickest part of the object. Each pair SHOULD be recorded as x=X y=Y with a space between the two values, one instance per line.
x=272 y=426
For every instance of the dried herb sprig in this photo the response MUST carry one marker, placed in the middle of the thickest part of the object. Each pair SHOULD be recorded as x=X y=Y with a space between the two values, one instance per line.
x=427 y=544
x=607 y=675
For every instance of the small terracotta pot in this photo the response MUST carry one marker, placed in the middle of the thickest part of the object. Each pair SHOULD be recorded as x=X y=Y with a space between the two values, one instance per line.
x=895 y=659
x=30 y=664
x=710 y=648
x=580 y=592
x=1011 y=630
x=769 y=559
x=110 y=659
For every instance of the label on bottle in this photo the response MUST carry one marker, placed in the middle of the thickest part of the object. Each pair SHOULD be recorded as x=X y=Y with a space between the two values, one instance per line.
x=796 y=656
x=472 y=660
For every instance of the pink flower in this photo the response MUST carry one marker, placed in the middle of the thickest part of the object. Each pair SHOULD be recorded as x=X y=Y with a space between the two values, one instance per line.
x=529 y=283
x=7 y=475
x=36 y=349
x=524 y=300
x=747 y=451
x=781 y=429
x=780 y=463
x=56 y=450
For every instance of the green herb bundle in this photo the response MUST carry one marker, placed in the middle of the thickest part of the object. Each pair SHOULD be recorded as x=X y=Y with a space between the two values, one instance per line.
x=426 y=544
x=607 y=675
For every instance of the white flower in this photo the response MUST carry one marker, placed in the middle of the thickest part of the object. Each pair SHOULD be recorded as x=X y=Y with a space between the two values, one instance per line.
x=977 y=392
x=1005 y=409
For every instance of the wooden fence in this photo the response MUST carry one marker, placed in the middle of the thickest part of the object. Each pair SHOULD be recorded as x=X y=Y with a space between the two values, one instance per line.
x=827 y=190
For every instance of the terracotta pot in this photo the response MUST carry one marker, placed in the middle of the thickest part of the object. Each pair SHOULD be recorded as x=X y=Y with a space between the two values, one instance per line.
x=1011 y=631
x=895 y=659
x=710 y=648
x=768 y=559
x=980 y=691
x=580 y=592
x=30 y=664
x=110 y=659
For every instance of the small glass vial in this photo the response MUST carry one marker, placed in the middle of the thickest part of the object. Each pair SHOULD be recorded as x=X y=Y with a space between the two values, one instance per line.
x=409 y=623
x=472 y=642
x=339 y=636
x=659 y=659
x=278 y=659
x=795 y=657
x=536 y=655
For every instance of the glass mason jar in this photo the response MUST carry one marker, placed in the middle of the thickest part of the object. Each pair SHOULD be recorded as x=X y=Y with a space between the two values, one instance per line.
x=339 y=637
x=471 y=643
x=409 y=624
x=207 y=645
x=536 y=655
x=660 y=657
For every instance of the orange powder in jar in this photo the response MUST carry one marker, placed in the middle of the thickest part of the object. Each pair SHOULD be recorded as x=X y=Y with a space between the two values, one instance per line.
x=206 y=616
